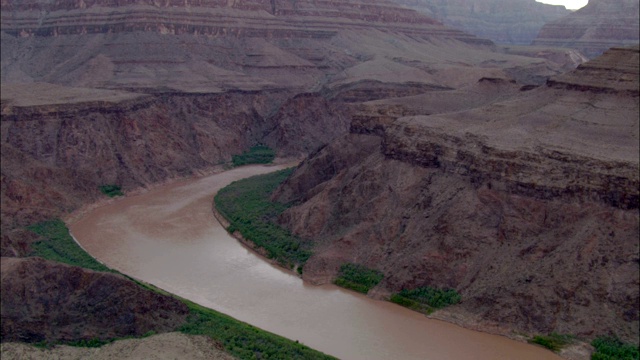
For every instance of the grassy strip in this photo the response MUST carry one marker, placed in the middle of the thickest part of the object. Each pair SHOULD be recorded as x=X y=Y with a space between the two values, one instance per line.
x=426 y=299
x=59 y=246
x=612 y=348
x=553 y=341
x=247 y=207
x=111 y=190
x=357 y=277
x=240 y=339
x=243 y=340
x=258 y=154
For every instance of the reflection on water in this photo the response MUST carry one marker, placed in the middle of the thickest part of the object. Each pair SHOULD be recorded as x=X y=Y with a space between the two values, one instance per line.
x=169 y=237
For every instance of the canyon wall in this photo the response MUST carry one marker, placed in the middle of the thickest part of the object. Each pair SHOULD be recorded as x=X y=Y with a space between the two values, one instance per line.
x=598 y=26
x=48 y=301
x=514 y=22
x=526 y=204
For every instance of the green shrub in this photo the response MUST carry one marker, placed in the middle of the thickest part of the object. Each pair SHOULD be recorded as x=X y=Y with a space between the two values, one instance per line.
x=258 y=154
x=553 y=341
x=357 y=277
x=111 y=190
x=240 y=339
x=58 y=245
x=426 y=299
x=247 y=206
x=243 y=340
x=612 y=348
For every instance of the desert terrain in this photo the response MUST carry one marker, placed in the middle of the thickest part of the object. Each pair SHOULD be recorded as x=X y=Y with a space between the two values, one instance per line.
x=431 y=154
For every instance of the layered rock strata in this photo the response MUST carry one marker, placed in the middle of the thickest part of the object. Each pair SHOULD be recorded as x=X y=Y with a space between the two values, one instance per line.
x=598 y=26
x=527 y=205
x=504 y=22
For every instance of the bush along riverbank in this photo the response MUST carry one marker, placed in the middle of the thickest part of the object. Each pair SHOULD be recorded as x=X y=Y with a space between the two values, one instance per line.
x=237 y=338
x=259 y=154
x=247 y=207
x=426 y=299
x=358 y=278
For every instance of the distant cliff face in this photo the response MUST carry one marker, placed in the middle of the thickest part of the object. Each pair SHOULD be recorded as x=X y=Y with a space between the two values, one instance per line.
x=595 y=28
x=526 y=203
x=515 y=22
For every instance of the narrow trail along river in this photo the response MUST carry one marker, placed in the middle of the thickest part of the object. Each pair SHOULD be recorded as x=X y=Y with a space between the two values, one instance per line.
x=168 y=237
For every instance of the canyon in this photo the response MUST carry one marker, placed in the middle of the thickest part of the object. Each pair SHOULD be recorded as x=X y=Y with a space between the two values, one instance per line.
x=598 y=26
x=504 y=22
x=401 y=115
x=528 y=206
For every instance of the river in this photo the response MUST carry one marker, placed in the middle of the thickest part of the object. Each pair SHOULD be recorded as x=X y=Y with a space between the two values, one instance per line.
x=168 y=237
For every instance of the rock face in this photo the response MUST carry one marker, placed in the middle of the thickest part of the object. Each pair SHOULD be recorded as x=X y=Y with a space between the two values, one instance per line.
x=595 y=28
x=526 y=203
x=44 y=300
x=515 y=22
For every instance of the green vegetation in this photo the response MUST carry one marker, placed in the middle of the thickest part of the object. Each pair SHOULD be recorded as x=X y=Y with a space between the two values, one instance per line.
x=612 y=348
x=247 y=207
x=553 y=341
x=426 y=299
x=259 y=154
x=357 y=277
x=243 y=340
x=238 y=338
x=60 y=246
x=111 y=190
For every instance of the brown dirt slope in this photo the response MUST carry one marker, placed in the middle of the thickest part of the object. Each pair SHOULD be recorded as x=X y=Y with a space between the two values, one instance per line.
x=48 y=301
x=167 y=346
x=528 y=206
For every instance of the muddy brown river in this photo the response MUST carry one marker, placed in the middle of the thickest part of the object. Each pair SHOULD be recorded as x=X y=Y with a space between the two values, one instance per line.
x=168 y=237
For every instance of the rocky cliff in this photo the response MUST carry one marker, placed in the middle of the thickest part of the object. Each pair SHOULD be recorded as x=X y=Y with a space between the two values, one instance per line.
x=526 y=203
x=49 y=301
x=504 y=22
x=599 y=25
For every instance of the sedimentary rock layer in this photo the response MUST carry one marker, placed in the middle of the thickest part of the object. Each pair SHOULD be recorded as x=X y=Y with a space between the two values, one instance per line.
x=528 y=205
x=515 y=22
x=598 y=26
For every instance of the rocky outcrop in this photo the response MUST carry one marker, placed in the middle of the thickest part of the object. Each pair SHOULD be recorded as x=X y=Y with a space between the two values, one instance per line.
x=526 y=204
x=504 y=22
x=598 y=26
x=49 y=301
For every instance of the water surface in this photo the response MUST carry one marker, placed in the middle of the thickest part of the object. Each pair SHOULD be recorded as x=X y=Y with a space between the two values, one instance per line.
x=168 y=237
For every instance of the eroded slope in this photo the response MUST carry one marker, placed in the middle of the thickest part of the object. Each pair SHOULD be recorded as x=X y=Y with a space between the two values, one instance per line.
x=527 y=206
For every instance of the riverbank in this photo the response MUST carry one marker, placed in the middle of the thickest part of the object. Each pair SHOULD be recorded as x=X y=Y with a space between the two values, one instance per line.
x=168 y=237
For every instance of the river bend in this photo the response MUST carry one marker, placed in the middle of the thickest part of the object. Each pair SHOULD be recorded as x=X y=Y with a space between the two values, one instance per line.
x=168 y=237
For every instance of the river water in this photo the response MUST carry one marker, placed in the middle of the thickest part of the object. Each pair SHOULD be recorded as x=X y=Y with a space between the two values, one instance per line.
x=168 y=237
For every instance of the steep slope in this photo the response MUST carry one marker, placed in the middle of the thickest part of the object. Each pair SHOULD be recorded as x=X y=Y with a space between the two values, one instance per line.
x=599 y=25
x=504 y=22
x=48 y=301
x=528 y=205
